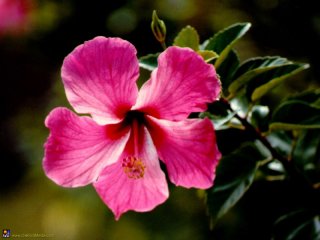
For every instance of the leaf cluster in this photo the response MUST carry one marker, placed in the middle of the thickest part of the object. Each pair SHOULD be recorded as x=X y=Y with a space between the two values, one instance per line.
x=278 y=143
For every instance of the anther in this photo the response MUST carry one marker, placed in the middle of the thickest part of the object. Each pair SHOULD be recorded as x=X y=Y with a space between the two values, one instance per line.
x=133 y=167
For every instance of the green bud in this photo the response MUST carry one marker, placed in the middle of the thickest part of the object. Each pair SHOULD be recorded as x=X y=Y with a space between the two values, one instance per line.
x=158 y=28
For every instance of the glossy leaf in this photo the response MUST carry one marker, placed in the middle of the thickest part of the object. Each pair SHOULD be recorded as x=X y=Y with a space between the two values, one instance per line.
x=312 y=97
x=149 y=62
x=208 y=55
x=259 y=117
x=306 y=150
x=306 y=153
x=268 y=80
x=219 y=122
x=281 y=141
x=253 y=67
x=240 y=105
x=187 y=37
x=219 y=114
x=227 y=69
x=297 y=225
x=223 y=41
x=300 y=112
x=235 y=174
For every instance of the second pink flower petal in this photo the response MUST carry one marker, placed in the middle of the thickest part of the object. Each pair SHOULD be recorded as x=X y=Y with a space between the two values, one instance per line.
x=78 y=148
x=189 y=150
x=182 y=83
x=140 y=185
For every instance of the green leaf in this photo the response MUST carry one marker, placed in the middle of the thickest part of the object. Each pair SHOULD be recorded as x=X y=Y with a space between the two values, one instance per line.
x=306 y=153
x=227 y=68
x=241 y=105
x=307 y=147
x=219 y=114
x=300 y=112
x=259 y=117
x=268 y=80
x=208 y=55
x=260 y=75
x=281 y=141
x=223 y=41
x=149 y=62
x=253 y=67
x=235 y=174
x=312 y=97
x=187 y=37
x=301 y=224
x=219 y=122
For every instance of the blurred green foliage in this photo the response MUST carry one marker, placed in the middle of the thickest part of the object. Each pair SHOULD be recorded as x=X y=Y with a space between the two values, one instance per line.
x=31 y=86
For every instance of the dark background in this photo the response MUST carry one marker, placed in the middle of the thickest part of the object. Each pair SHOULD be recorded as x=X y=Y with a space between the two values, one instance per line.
x=31 y=86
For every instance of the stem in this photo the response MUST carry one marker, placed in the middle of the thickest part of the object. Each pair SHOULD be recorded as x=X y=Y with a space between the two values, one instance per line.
x=163 y=45
x=293 y=146
x=292 y=171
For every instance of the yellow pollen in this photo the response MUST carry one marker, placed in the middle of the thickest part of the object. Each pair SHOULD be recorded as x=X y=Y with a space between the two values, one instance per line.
x=133 y=167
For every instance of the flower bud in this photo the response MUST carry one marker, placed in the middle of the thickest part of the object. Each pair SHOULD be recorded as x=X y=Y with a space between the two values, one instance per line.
x=158 y=27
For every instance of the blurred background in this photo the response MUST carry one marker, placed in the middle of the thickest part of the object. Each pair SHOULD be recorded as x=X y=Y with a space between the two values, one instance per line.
x=36 y=35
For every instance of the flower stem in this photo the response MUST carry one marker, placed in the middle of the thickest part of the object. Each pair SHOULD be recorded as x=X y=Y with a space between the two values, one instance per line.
x=163 y=45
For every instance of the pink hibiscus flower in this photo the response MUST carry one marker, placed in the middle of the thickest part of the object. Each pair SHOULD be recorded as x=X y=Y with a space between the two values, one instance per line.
x=117 y=148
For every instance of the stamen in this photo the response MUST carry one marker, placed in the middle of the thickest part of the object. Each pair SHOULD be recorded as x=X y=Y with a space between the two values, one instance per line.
x=133 y=167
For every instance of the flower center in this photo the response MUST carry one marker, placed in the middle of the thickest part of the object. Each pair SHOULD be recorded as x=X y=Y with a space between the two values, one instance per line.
x=134 y=115
x=133 y=167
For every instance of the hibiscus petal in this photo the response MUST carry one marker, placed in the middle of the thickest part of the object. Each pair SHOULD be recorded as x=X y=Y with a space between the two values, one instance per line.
x=189 y=150
x=182 y=83
x=99 y=78
x=121 y=193
x=78 y=148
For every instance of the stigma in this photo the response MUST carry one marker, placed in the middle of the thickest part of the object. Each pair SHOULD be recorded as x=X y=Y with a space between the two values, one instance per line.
x=133 y=167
